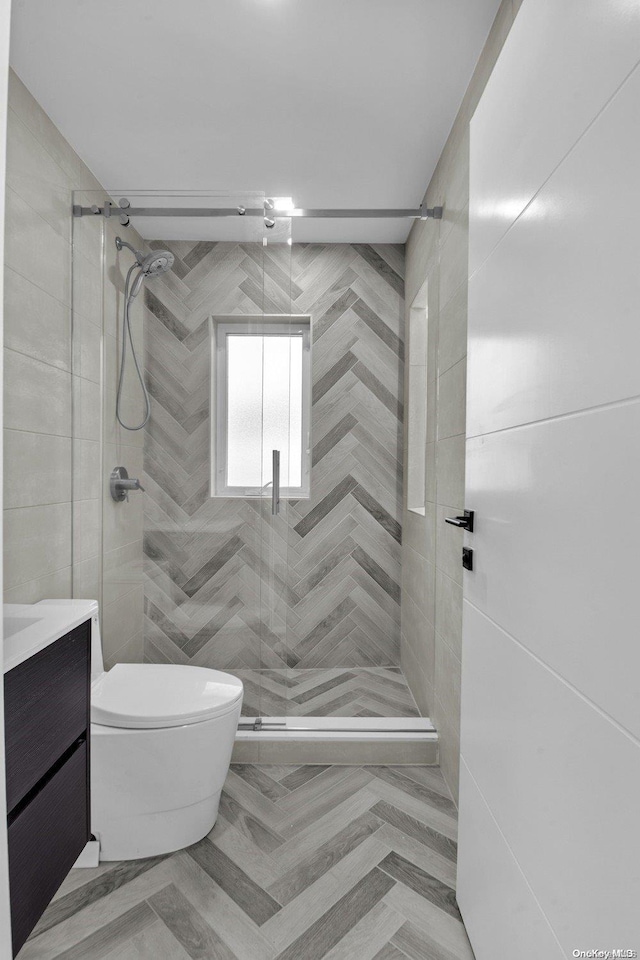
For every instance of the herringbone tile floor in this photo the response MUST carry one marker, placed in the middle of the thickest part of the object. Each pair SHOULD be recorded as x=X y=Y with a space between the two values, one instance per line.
x=347 y=863
x=357 y=692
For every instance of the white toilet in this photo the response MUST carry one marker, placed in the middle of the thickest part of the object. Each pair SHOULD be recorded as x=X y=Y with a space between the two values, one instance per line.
x=161 y=742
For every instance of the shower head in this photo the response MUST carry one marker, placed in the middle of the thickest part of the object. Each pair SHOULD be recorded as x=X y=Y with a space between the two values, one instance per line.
x=151 y=265
x=156 y=263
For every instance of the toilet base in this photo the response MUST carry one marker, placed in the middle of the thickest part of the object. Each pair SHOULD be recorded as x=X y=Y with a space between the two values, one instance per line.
x=153 y=834
x=156 y=790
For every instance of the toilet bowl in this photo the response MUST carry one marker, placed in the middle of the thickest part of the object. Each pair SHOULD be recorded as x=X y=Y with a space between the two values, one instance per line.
x=161 y=743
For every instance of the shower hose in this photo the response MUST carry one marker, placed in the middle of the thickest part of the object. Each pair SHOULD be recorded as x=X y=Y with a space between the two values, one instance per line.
x=126 y=335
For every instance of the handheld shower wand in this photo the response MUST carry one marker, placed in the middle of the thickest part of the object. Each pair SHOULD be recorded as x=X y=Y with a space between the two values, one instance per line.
x=149 y=266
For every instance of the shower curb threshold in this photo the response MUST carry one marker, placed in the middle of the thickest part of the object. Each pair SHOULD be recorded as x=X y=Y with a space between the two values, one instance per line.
x=341 y=728
x=336 y=740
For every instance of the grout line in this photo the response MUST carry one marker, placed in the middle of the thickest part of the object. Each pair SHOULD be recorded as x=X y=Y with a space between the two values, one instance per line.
x=562 y=160
x=570 y=415
x=23 y=583
x=450 y=648
x=45 y=363
x=37 y=506
x=441 y=373
x=583 y=696
x=515 y=859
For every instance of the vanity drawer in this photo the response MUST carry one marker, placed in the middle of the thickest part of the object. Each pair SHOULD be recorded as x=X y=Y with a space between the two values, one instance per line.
x=46 y=709
x=45 y=839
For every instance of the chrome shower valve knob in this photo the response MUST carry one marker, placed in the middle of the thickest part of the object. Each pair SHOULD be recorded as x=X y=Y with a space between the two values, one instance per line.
x=120 y=483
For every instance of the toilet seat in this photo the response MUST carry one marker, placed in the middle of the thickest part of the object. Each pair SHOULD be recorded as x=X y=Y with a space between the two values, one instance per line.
x=154 y=695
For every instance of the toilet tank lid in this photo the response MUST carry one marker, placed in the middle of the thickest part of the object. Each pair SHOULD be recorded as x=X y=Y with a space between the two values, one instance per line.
x=147 y=695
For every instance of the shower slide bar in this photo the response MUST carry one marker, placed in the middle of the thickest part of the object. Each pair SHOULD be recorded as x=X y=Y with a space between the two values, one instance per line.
x=124 y=211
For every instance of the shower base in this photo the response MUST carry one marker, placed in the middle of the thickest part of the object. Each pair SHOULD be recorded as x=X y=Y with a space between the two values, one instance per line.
x=333 y=692
x=335 y=715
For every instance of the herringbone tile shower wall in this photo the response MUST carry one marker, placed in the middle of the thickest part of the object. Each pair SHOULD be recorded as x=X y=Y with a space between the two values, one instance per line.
x=332 y=585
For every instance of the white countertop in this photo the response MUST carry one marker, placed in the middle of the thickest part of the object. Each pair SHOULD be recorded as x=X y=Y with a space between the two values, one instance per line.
x=30 y=627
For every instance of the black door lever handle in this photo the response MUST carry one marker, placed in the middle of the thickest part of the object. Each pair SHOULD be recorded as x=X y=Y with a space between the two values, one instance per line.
x=466 y=522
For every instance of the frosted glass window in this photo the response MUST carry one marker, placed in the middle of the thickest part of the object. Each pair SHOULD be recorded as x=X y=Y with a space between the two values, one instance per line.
x=262 y=400
x=244 y=411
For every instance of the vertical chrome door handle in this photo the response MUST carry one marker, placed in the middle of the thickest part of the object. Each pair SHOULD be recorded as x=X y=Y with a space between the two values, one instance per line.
x=275 y=488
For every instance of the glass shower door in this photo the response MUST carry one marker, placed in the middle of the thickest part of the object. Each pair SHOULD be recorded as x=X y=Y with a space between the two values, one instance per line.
x=193 y=569
x=282 y=454
x=262 y=374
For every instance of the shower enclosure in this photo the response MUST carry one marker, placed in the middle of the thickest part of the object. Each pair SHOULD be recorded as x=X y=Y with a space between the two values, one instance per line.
x=266 y=538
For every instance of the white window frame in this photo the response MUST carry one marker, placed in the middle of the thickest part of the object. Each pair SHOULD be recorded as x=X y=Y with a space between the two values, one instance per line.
x=270 y=325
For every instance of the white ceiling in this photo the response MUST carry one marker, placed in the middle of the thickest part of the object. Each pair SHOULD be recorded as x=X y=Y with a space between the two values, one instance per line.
x=336 y=103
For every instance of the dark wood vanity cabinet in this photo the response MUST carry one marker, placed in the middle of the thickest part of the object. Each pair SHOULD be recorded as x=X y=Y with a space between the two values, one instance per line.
x=47 y=702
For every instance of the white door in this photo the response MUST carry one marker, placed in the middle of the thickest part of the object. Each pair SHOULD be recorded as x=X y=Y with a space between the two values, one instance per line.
x=550 y=771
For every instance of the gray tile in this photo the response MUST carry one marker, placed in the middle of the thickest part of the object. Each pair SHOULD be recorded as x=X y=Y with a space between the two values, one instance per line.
x=189 y=928
x=378 y=389
x=26 y=531
x=301 y=775
x=379 y=327
x=212 y=566
x=258 y=778
x=326 y=932
x=421 y=882
x=35 y=323
x=112 y=879
x=452 y=401
x=354 y=874
x=191 y=527
x=376 y=572
x=252 y=827
x=416 y=830
x=255 y=902
x=197 y=252
x=330 y=560
x=328 y=503
x=112 y=935
x=38 y=469
x=164 y=315
x=417 y=944
x=332 y=376
x=450 y=471
x=378 y=512
x=324 y=858
x=37 y=396
x=382 y=267
x=389 y=952
x=416 y=790
x=333 y=436
x=333 y=313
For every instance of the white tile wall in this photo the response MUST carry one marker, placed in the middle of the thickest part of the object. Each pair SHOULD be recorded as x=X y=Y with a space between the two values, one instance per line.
x=41 y=172
x=514 y=162
x=560 y=780
x=520 y=929
x=557 y=565
x=53 y=465
x=558 y=355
